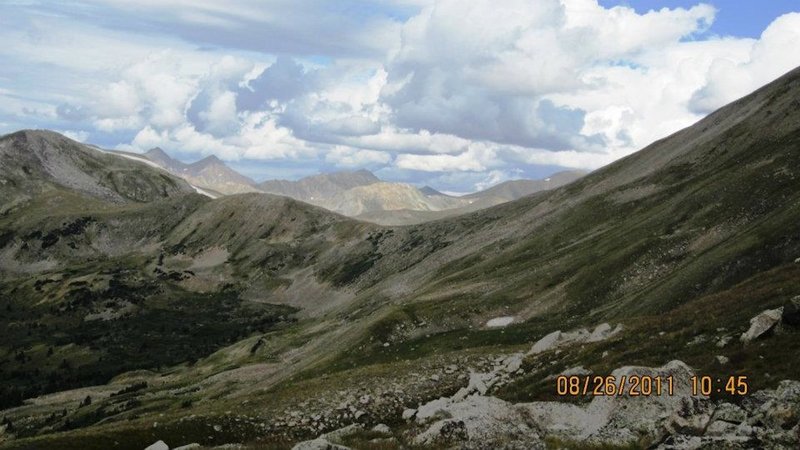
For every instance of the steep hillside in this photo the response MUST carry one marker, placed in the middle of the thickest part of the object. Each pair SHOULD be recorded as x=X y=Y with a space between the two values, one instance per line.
x=36 y=162
x=514 y=189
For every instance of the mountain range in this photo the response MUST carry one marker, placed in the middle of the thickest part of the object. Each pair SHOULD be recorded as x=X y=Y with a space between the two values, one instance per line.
x=136 y=310
x=358 y=194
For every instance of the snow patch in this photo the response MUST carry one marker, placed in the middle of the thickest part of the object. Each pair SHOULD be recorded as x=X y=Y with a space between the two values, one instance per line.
x=203 y=192
x=500 y=322
x=140 y=159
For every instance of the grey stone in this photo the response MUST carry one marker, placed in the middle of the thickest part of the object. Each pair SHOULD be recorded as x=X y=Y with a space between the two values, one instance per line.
x=762 y=324
x=409 y=413
x=160 y=445
x=382 y=428
x=546 y=343
x=187 y=447
x=319 y=444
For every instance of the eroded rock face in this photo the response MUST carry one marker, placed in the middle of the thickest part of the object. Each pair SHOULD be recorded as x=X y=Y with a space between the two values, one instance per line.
x=762 y=324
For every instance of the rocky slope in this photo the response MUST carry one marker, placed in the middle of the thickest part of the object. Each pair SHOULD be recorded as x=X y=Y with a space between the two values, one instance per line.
x=37 y=162
x=320 y=322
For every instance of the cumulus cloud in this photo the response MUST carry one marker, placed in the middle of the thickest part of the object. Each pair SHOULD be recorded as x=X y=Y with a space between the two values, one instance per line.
x=349 y=157
x=771 y=56
x=464 y=94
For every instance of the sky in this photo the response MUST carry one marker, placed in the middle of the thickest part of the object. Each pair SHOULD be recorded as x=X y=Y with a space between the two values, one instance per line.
x=452 y=94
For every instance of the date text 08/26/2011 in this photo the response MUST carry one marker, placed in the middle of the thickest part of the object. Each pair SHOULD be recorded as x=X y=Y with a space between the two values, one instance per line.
x=646 y=385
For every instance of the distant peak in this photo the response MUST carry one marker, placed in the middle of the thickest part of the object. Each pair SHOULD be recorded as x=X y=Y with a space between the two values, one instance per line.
x=427 y=190
x=211 y=158
x=208 y=161
x=156 y=151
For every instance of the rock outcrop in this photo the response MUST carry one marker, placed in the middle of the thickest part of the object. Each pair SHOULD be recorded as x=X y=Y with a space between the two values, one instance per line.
x=762 y=324
x=622 y=418
x=558 y=339
x=480 y=420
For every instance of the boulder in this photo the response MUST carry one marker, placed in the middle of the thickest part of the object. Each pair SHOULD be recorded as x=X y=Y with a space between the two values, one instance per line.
x=762 y=324
x=580 y=336
x=478 y=382
x=319 y=444
x=433 y=409
x=512 y=363
x=482 y=422
x=160 y=445
x=546 y=343
x=382 y=429
x=576 y=371
x=409 y=413
x=791 y=312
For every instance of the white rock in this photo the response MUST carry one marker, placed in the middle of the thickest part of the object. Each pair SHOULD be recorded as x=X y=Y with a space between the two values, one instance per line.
x=409 y=413
x=477 y=383
x=546 y=343
x=483 y=420
x=382 y=428
x=500 y=322
x=722 y=359
x=461 y=394
x=187 y=447
x=761 y=324
x=160 y=445
x=512 y=363
x=579 y=336
x=318 y=444
x=432 y=409
x=601 y=332
x=577 y=370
